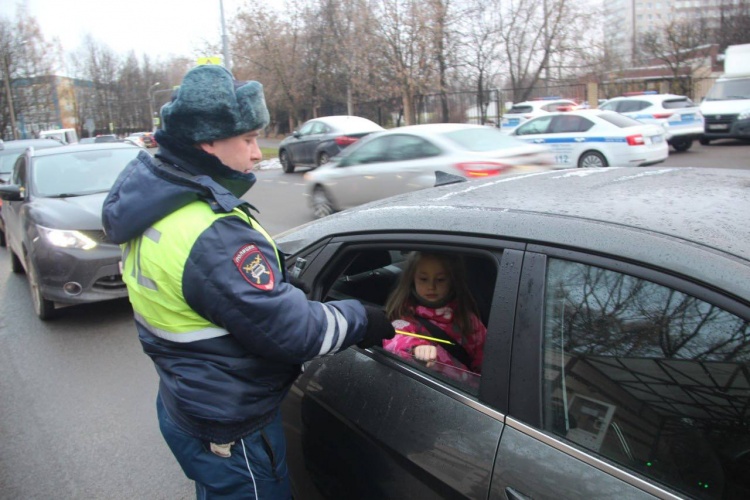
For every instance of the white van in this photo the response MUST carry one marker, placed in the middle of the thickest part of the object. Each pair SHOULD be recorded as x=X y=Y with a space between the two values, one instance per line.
x=726 y=108
x=64 y=135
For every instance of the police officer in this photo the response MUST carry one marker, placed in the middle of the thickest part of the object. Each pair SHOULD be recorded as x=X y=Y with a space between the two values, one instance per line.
x=213 y=306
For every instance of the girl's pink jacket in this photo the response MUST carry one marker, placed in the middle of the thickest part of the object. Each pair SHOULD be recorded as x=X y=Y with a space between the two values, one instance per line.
x=442 y=317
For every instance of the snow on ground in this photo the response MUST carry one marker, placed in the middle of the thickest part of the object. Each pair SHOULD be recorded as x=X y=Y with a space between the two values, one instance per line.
x=268 y=164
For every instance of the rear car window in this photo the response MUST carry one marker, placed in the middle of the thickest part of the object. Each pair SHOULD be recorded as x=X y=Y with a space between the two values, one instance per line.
x=619 y=120
x=521 y=109
x=482 y=139
x=678 y=103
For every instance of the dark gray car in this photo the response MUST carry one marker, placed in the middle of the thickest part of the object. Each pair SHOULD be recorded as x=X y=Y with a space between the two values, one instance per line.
x=320 y=139
x=52 y=212
x=617 y=360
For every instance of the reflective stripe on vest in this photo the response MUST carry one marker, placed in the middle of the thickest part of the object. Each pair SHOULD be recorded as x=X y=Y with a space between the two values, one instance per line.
x=153 y=266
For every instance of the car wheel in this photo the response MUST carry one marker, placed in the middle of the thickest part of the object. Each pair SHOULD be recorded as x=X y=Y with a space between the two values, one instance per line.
x=323 y=158
x=592 y=159
x=322 y=205
x=286 y=162
x=704 y=141
x=43 y=308
x=682 y=145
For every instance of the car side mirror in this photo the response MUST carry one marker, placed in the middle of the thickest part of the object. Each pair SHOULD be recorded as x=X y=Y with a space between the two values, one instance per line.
x=296 y=134
x=11 y=192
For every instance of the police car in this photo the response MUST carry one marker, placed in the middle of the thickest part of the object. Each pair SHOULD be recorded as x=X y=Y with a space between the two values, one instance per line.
x=596 y=138
x=523 y=111
x=680 y=117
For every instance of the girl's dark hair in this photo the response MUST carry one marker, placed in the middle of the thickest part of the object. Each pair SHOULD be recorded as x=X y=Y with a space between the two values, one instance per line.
x=400 y=304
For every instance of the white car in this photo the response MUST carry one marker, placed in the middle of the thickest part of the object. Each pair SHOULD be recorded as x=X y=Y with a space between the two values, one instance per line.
x=524 y=111
x=680 y=117
x=596 y=138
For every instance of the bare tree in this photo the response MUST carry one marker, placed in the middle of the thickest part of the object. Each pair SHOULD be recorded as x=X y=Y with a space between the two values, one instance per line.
x=734 y=23
x=28 y=63
x=673 y=44
x=404 y=41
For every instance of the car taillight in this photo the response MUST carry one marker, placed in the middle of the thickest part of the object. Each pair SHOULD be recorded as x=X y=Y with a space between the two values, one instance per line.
x=481 y=168
x=635 y=140
x=661 y=116
x=345 y=140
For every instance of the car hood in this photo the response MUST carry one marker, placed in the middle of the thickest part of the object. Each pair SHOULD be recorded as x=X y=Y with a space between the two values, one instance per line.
x=77 y=212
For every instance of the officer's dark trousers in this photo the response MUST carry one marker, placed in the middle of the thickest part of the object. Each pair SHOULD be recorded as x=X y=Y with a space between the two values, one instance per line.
x=256 y=470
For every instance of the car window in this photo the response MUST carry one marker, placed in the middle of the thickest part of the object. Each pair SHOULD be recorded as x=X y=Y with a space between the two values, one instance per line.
x=7 y=159
x=409 y=147
x=374 y=151
x=319 y=128
x=19 y=172
x=537 y=126
x=307 y=128
x=611 y=106
x=553 y=106
x=648 y=377
x=632 y=105
x=521 y=109
x=372 y=276
x=682 y=102
x=569 y=124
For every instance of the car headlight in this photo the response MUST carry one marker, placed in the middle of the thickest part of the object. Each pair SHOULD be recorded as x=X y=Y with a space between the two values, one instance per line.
x=66 y=238
x=744 y=115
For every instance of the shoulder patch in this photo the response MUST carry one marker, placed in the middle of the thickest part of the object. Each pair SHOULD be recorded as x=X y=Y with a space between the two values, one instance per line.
x=254 y=267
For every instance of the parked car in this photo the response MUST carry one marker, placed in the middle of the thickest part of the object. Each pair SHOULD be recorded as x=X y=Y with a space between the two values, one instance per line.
x=9 y=152
x=320 y=139
x=52 y=215
x=596 y=138
x=405 y=159
x=680 y=116
x=523 y=111
x=617 y=359
x=143 y=139
x=106 y=138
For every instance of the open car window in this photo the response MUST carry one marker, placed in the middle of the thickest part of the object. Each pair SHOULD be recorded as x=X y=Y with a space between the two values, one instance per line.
x=372 y=275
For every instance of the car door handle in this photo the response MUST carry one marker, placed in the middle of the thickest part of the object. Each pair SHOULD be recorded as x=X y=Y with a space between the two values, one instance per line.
x=538 y=141
x=579 y=139
x=512 y=494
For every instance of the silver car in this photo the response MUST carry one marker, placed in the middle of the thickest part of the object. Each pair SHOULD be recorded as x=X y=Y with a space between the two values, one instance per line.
x=405 y=159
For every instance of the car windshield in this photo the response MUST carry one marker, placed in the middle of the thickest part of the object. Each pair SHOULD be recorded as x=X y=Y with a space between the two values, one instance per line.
x=619 y=120
x=731 y=89
x=79 y=173
x=482 y=139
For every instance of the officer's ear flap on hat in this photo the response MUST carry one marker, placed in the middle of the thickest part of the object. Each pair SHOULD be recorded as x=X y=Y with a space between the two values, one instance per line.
x=210 y=105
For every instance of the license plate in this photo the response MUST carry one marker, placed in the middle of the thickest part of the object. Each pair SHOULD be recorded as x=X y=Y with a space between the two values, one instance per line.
x=657 y=139
x=718 y=126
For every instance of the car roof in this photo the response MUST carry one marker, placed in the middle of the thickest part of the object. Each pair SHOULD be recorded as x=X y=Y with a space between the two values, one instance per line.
x=433 y=128
x=649 y=97
x=72 y=148
x=22 y=144
x=692 y=221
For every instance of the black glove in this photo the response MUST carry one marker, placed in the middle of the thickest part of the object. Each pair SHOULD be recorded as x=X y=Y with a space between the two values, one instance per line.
x=298 y=283
x=378 y=328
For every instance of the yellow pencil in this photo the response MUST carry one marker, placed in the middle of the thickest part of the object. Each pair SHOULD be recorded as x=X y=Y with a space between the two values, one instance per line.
x=424 y=337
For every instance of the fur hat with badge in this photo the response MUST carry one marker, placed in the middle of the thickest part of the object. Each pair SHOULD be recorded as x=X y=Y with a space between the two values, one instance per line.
x=210 y=105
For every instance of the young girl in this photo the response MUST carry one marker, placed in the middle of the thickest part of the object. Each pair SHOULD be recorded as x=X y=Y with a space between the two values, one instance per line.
x=433 y=288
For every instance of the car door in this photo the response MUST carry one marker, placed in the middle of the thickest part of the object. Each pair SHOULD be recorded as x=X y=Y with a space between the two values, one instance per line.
x=566 y=135
x=366 y=423
x=627 y=383
x=309 y=142
x=300 y=146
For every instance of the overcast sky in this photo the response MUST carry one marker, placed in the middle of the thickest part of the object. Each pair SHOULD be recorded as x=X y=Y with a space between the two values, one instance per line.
x=157 y=27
